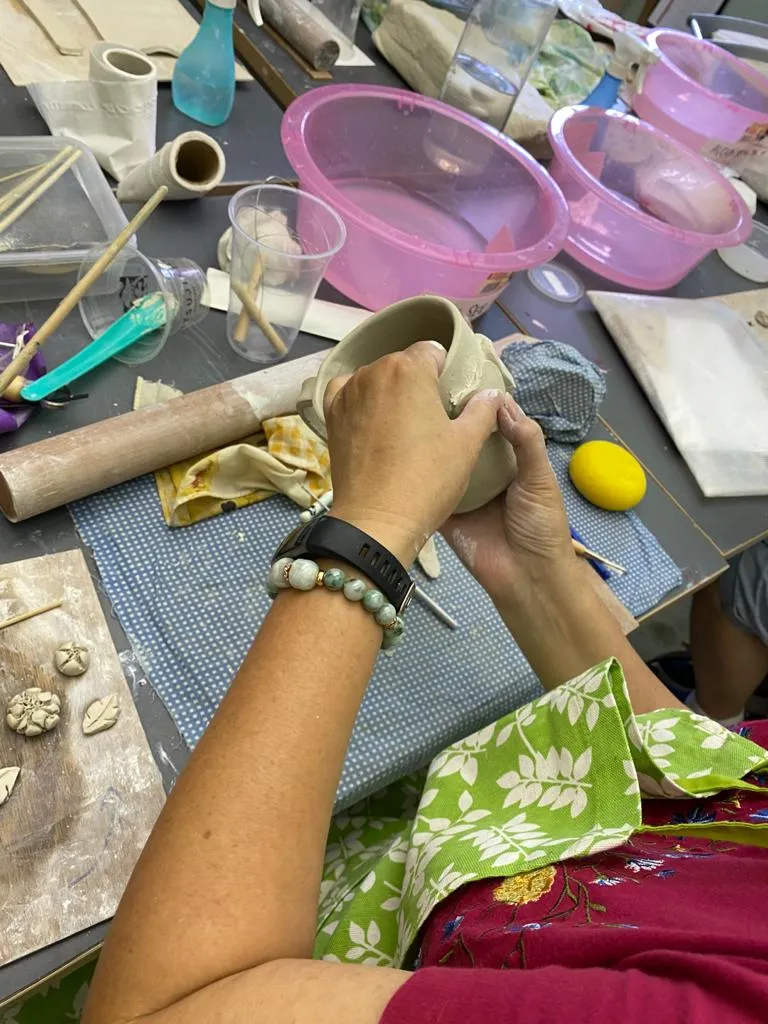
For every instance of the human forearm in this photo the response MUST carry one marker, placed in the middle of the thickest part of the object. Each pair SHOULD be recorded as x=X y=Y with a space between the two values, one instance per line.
x=230 y=876
x=563 y=628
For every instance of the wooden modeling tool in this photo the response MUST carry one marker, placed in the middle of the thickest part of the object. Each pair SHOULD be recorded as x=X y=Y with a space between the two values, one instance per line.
x=20 y=362
x=23 y=616
x=585 y=552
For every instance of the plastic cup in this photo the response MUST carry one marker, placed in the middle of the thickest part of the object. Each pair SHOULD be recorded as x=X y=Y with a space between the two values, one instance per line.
x=131 y=276
x=282 y=241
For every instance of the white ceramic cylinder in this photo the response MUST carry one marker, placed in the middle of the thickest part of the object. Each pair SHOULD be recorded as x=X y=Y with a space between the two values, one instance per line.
x=189 y=166
x=111 y=63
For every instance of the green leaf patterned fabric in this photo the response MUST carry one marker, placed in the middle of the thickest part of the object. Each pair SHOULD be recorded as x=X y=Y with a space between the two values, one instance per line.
x=561 y=777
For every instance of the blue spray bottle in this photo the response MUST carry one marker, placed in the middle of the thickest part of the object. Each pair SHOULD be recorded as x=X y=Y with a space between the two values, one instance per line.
x=203 y=83
x=630 y=56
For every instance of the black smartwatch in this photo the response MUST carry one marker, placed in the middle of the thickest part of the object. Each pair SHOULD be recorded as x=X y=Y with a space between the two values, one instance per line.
x=328 y=537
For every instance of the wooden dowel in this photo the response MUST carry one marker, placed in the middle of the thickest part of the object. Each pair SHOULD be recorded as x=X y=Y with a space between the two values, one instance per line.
x=241 y=327
x=256 y=314
x=31 y=614
x=48 y=182
x=38 y=173
x=71 y=299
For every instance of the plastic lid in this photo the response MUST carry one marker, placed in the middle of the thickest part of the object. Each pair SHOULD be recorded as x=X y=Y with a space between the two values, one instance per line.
x=556 y=282
x=749 y=260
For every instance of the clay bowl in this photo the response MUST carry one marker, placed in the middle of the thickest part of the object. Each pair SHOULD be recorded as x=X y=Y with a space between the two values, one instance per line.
x=471 y=365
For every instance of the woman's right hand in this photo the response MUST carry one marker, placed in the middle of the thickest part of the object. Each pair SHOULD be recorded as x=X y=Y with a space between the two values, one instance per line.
x=521 y=536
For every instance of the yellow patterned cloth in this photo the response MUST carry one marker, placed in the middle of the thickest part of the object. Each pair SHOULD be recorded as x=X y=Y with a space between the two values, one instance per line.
x=285 y=457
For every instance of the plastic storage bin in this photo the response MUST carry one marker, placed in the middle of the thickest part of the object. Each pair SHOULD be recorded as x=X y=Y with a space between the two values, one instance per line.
x=40 y=254
x=644 y=210
x=433 y=200
x=702 y=95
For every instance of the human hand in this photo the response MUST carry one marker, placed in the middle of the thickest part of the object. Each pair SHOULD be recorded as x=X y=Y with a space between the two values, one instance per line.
x=400 y=465
x=523 y=534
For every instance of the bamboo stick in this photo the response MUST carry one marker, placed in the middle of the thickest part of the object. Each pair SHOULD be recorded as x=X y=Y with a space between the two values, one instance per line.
x=15 y=212
x=22 y=172
x=51 y=178
x=71 y=299
x=31 y=614
x=241 y=327
x=256 y=314
x=20 y=190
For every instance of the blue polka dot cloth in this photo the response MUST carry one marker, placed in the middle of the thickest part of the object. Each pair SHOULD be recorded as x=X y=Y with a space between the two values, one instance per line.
x=191 y=600
x=556 y=386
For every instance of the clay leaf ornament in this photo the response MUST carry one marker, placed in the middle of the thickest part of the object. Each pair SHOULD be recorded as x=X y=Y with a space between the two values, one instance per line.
x=33 y=711
x=8 y=777
x=72 y=658
x=101 y=715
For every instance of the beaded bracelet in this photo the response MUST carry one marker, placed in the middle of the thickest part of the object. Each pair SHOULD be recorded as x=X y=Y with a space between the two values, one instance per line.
x=304 y=574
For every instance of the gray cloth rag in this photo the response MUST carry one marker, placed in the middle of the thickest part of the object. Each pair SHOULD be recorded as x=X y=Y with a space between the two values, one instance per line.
x=556 y=386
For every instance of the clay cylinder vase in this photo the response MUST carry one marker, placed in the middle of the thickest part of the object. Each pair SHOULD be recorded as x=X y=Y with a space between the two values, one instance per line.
x=471 y=365
x=189 y=165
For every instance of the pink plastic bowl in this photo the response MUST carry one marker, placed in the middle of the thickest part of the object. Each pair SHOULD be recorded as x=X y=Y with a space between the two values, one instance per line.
x=701 y=95
x=644 y=210
x=433 y=199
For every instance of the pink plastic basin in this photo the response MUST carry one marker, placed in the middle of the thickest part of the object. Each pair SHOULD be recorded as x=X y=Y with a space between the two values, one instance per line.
x=644 y=210
x=702 y=95
x=433 y=199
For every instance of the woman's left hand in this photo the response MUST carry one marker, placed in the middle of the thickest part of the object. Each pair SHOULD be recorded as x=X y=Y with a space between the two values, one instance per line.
x=399 y=464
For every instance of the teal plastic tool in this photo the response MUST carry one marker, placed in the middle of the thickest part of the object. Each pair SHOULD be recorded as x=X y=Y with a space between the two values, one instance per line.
x=145 y=315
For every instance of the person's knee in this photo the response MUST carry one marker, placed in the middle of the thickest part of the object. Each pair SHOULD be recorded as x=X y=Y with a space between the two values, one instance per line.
x=742 y=592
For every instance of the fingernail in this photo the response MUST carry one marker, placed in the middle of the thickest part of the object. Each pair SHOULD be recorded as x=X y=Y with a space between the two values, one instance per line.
x=488 y=395
x=431 y=341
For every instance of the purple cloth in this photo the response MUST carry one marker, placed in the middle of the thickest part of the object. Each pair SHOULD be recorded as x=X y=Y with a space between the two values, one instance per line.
x=13 y=414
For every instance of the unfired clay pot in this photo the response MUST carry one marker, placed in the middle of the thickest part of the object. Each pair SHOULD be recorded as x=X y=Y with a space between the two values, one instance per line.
x=471 y=365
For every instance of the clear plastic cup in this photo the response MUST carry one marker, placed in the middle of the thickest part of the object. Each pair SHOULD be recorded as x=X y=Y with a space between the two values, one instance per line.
x=282 y=241
x=131 y=276
x=500 y=42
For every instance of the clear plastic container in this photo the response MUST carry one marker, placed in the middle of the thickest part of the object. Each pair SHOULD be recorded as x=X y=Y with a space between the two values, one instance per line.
x=644 y=210
x=699 y=93
x=282 y=240
x=498 y=46
x=131 y=276
x=41 y=252
x=434 y=201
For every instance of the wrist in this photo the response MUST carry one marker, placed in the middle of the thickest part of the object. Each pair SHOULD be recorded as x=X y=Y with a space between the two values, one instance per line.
x=391 y=532
x=539 y=582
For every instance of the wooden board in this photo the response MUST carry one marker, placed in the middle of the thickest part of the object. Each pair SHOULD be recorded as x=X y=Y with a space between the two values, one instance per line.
x=83 y=806
x=28 y=55
x=749 y=304
x=153 y=26
x=55 y=18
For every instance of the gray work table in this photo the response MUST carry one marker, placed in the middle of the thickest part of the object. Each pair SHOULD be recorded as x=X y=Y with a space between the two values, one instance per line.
x=200 y=357
x=732 y=524
x=250 y=138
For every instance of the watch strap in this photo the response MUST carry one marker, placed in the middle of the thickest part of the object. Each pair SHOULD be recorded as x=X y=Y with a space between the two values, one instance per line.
x=329 y=537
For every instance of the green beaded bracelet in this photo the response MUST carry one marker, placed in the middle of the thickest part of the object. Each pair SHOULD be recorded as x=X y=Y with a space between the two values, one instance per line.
x=304 y=574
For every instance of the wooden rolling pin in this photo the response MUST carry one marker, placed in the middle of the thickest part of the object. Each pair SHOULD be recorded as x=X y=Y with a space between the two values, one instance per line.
x=293 y=20
x=70 y=466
